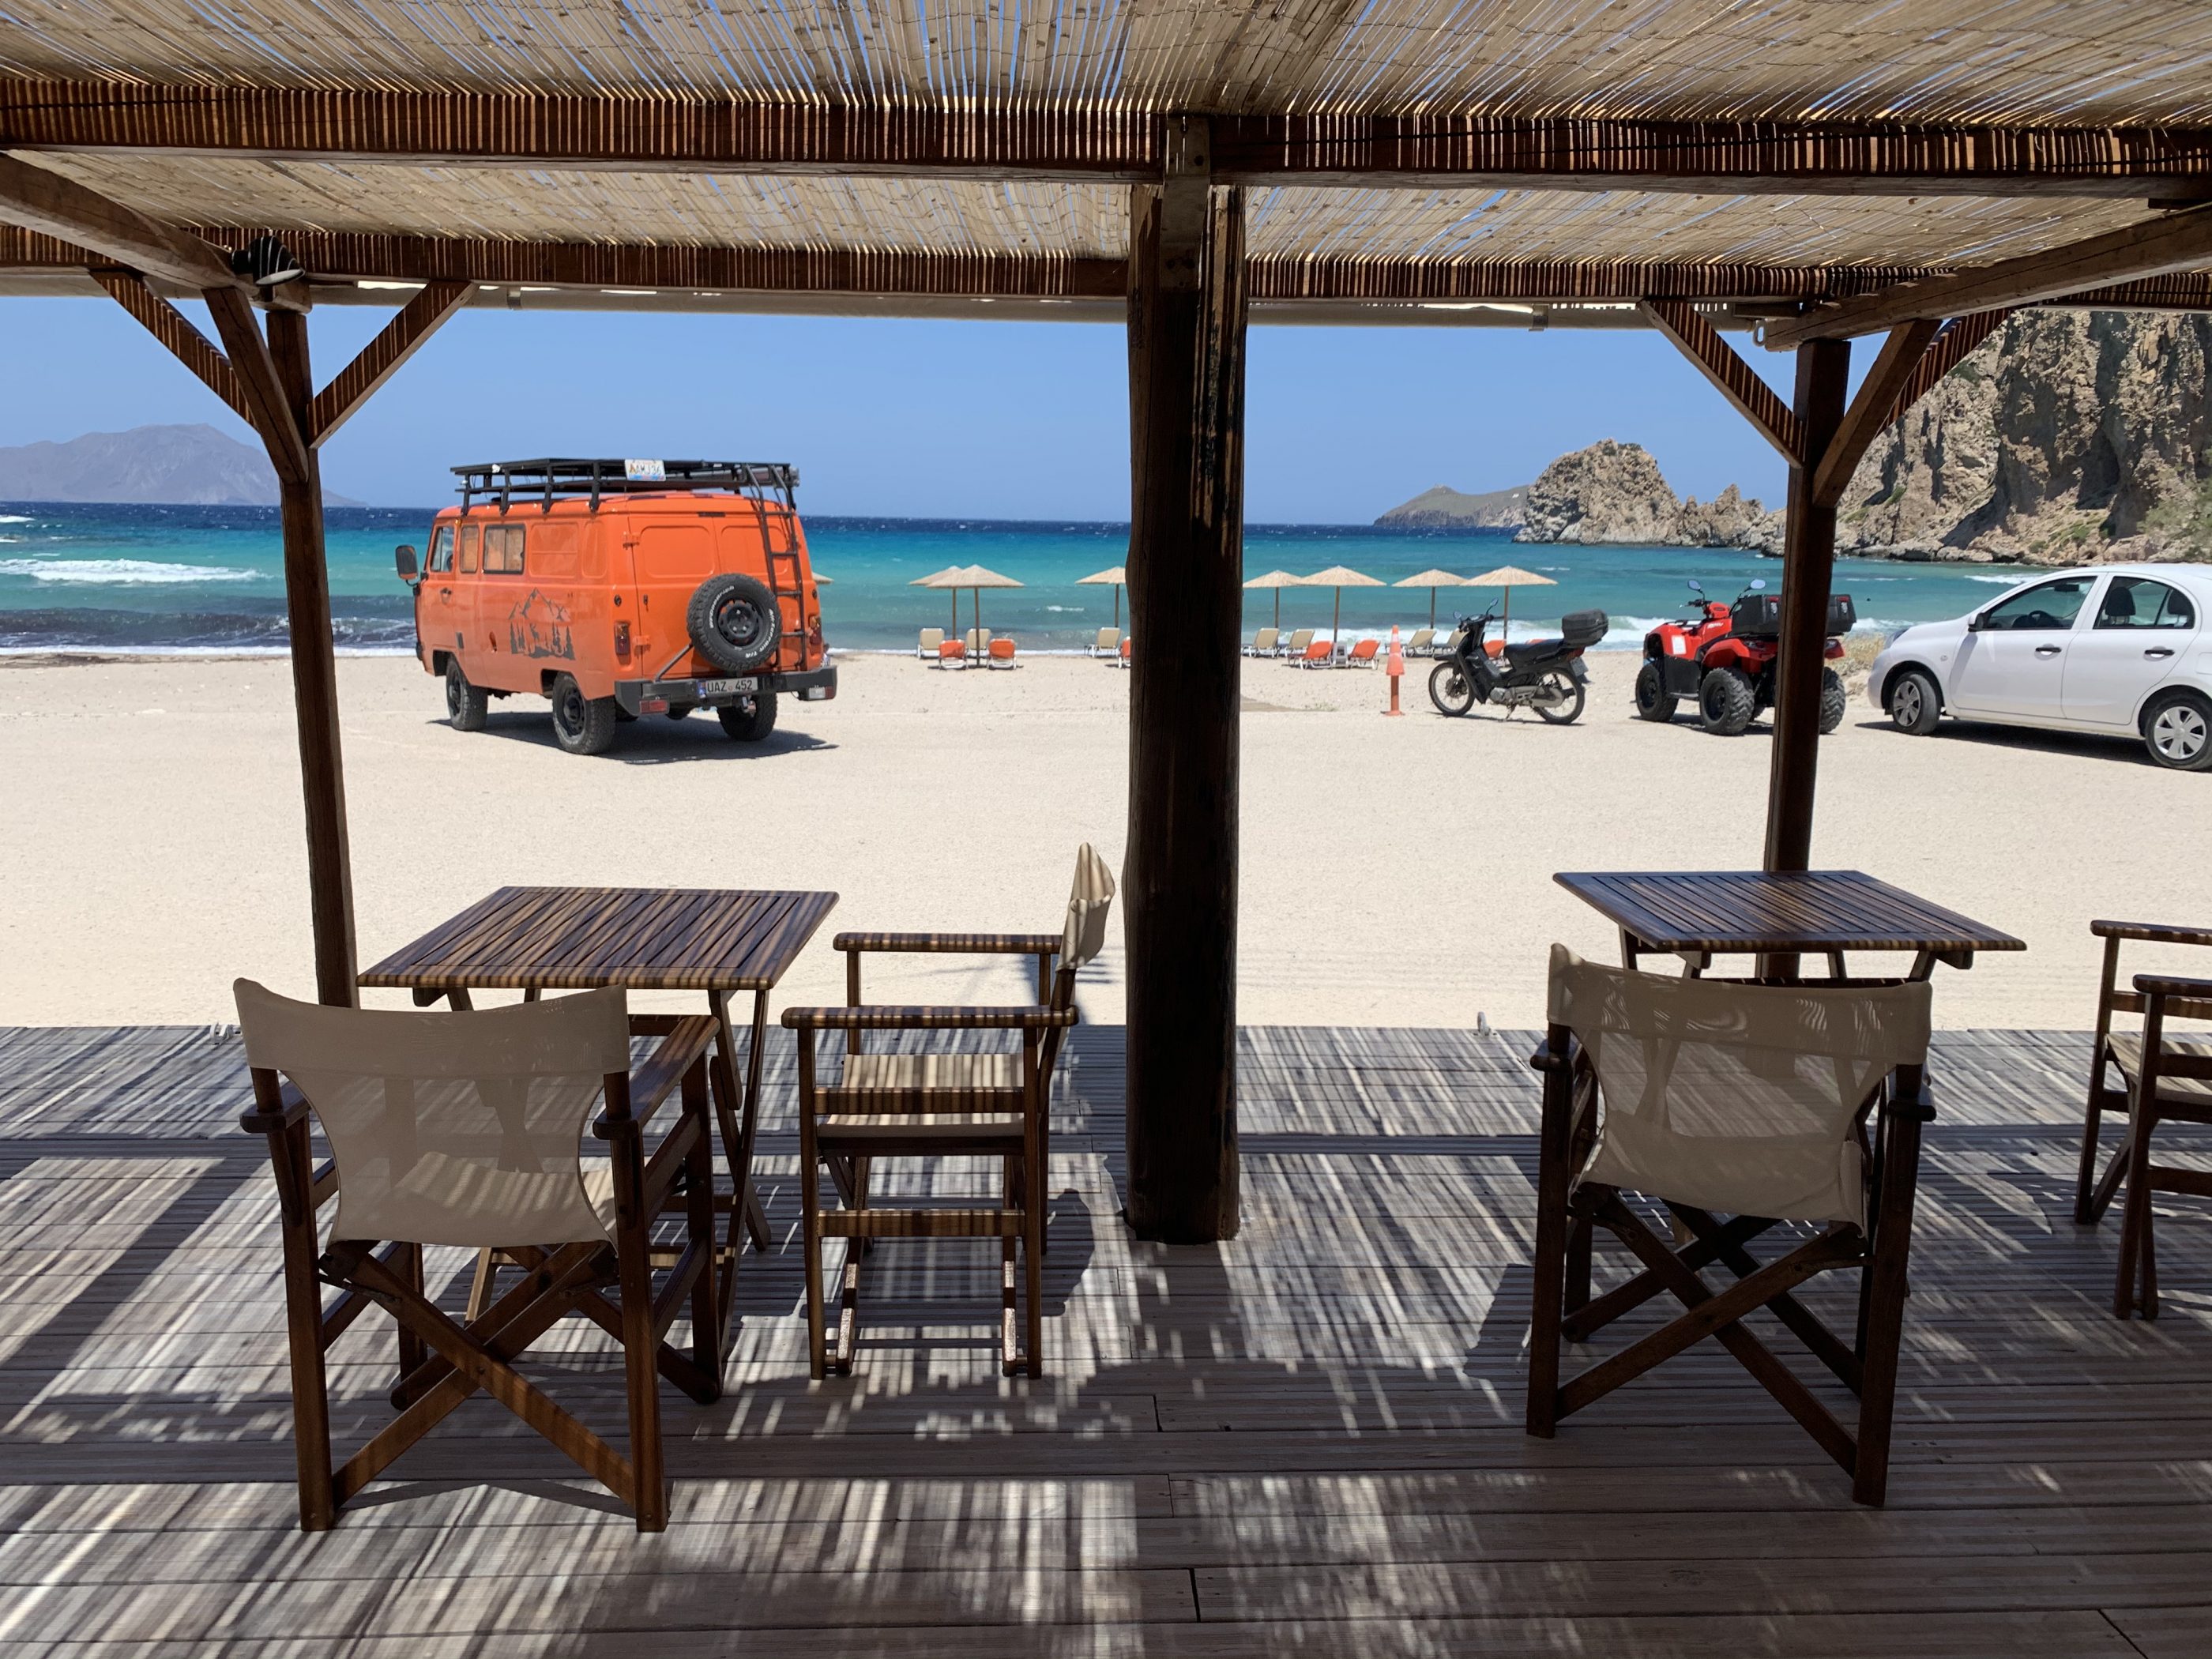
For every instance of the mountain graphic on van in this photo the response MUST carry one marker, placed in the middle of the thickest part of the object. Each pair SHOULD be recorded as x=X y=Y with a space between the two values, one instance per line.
x=538 y=627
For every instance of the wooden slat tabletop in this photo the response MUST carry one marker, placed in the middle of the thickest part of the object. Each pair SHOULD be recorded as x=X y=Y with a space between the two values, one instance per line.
x=1762 y=911
x=660 y=938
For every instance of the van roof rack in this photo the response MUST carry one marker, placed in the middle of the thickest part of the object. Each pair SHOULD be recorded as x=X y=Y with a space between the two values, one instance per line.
x=551 y=479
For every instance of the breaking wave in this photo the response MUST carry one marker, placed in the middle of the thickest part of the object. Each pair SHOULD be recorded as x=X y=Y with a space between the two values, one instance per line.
x=121 y=573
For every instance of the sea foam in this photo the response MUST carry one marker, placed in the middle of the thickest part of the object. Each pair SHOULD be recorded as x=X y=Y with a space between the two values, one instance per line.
x=119 y=573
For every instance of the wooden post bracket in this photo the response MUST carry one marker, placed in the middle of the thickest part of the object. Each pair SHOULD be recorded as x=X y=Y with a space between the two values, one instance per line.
x=1946 y=352
x=380 y=359
x=174 y=330
x=1870 y=412
x=1734 y=379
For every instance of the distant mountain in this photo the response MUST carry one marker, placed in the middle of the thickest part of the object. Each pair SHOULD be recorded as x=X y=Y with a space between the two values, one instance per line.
x=173 y=465
x=1442 y=509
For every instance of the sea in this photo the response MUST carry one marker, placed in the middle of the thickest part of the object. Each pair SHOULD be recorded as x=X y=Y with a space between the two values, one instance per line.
x=163 y=580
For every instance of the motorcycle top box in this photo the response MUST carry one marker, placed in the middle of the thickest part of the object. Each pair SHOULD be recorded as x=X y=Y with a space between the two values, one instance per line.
x=1758 y=615
x=1581 y=629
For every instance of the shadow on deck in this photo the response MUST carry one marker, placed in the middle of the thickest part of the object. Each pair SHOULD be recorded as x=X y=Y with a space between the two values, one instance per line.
x=1306 y=1441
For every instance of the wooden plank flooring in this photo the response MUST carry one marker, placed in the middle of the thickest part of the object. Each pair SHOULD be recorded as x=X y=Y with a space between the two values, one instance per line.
x=1306 y=1442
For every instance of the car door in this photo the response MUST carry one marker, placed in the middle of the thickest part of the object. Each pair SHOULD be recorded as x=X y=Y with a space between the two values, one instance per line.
x=2143 y=631
x=2014 y=660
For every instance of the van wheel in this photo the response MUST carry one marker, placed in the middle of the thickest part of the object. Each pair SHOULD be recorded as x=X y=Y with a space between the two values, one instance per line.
x=749 y=718
x=1832 y=701
x=734 y=621
x=1725 y=699
x=2179 y=732
x=1652 y=702
x=465 y=704
x=581 y=724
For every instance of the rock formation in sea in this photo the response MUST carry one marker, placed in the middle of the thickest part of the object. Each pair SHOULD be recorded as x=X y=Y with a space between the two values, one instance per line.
x=1615 y=492
x=2067 y=437
x=1445 y=508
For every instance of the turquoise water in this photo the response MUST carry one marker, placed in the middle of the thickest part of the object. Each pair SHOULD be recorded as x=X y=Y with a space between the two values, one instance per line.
x=194 y=578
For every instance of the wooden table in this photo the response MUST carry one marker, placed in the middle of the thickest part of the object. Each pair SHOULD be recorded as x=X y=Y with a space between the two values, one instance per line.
x=536 y=939
x=1699 y=914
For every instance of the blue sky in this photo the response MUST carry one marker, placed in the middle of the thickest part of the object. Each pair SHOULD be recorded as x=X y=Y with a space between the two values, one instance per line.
x=933 y=419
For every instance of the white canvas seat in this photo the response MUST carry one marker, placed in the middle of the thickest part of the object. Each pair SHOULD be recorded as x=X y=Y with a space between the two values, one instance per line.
x=467 y=1130
x=1739 y=1107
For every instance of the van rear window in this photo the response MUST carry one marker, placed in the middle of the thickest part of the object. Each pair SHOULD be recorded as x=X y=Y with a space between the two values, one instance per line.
x=502 y=549
x=469 y=533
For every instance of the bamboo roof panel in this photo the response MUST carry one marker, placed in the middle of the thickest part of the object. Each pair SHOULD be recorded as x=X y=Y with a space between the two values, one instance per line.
x=2079 y=61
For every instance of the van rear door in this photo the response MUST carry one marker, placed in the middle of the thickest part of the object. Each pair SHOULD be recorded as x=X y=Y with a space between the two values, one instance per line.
x=670 y=557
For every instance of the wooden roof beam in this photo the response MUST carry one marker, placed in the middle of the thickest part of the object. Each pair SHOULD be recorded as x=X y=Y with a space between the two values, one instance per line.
x=2152 y=248
x=1733 y=378
x=381 y=358
x=37 y=199
x=1099 y=142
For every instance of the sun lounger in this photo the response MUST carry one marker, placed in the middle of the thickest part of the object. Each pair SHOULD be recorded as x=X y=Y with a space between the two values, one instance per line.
x=1108 y=644
x=1296 y=649
x=950 y=653
x=1002 y=654
x=1362 y=654
x=1124 y=651
x=931 y=638
x=979 y=641
x=1418 y=646
x=1320 y=653
x=1263 y=643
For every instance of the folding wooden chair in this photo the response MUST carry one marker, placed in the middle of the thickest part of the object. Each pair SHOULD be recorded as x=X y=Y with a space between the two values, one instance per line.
x=1739 y=1107
x=464 y=1129
x=940 y=1105
x=2164 y=1077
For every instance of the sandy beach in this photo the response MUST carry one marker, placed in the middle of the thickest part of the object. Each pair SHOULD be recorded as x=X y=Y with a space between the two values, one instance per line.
x=1395 y=872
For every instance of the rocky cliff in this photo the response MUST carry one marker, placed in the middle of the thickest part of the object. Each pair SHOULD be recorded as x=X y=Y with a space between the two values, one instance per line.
x=175 y=465
x=2067 y=437
x=1615 y=492
x=1443 y=509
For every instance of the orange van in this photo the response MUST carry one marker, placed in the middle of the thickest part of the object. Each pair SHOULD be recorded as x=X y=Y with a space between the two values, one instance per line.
x=621 y=588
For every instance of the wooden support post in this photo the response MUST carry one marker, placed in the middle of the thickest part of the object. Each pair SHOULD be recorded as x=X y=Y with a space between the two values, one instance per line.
x=1186 y=314
x=314 y=673
x=1808 y=558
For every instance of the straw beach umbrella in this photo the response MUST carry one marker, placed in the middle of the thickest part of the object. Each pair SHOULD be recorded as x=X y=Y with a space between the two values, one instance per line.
x=1117 y=578
x=1278 y=579
x=1509 y=577
x=958 y=576
x=1432 y=580
x=1338 y=577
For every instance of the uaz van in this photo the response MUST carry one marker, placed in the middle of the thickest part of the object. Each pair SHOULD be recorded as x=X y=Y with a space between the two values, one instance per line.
x=621 y=588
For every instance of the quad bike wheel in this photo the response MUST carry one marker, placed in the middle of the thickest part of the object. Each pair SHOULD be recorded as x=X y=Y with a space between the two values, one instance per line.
x=581 y=724
x=1450 y=689
x=1653 y=701
x=466 y=705
x=1725 y=699
x=1832 y=701
x=1569 y=691
x=1915 y=704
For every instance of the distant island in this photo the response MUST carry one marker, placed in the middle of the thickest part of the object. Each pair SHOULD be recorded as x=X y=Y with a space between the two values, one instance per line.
x=2067 y=437
x=150 y=465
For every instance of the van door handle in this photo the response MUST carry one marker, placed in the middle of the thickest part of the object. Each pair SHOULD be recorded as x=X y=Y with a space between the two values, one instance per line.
x=2048 y=650
x=2159 y=651
x=445 y=592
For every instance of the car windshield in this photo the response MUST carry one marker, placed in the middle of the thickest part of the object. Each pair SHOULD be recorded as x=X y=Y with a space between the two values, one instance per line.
x=2046 y=608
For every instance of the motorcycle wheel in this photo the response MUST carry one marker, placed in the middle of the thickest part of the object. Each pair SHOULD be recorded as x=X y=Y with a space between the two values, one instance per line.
x=1569 y=690
x=1450 y=689
x=1652 y=702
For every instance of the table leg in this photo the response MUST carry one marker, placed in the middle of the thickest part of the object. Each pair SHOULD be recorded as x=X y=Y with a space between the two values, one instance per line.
x=738 y=1119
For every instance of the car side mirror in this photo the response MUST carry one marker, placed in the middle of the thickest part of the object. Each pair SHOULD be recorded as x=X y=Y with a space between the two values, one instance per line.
x=405 y=558
x=1977 y=621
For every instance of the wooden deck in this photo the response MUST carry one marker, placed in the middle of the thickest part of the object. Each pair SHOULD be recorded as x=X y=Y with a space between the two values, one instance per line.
x=1304 y=1442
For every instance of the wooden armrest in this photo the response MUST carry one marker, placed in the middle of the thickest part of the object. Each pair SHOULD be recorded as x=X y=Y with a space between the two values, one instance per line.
x=2168 y=985
x=256 y=1122
x=663 y=1069
x=1025 y=945
x=1920 y=1105
x=895 y=1016
x=2157 y=933
x=1544 y=1060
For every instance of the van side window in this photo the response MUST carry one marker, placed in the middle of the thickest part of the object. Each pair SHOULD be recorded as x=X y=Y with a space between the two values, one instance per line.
x=502 y=549
x=469 y=533
x=442 y=549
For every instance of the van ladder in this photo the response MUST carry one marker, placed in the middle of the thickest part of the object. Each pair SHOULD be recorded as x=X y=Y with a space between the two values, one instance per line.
x=779 y=545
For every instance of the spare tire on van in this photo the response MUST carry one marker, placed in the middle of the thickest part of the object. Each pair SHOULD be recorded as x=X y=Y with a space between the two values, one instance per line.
x=735 y=621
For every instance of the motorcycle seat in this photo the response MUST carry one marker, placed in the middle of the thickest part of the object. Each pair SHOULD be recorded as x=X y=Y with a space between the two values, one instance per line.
x=1535 y=650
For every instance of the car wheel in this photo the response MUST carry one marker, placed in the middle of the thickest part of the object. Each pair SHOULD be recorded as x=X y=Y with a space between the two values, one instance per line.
x=465 y=704
x=1450 y=689
x=1832 y=701
x=1915 y=705
x=2178 y=731
x=581 y=724
x=749 y=718
x=1725 y=699
x=1652 y=700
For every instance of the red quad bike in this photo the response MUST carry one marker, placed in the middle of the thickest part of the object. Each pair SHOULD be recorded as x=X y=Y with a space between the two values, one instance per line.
x=1724 y=655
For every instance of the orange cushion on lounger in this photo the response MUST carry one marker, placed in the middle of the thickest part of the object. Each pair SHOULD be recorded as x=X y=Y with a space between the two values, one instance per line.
x=1364 y=651
x=1318 y=651
x=1003 y=648
x=952 y=649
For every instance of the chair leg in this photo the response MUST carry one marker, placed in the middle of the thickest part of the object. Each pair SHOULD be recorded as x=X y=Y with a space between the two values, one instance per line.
x=485 y=1282
x=810 y=1210
x=412 y=1350
x=1033 y=1260
x=1887 y=1282
x=847 y=1338
x=699 y=1228
x=2136 y=1223
x=303 y=1316
x=2085 y=1214
x=1552 y=1270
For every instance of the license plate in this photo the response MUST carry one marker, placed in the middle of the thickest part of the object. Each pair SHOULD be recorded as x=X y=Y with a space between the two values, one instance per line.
x=724 y=688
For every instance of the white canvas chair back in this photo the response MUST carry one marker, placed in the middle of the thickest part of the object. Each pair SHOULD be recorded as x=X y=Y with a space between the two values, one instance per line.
x=1088 y=903
x=930 y=639
x=1107 y=639
x=1738 y=1098
x=463 y=1128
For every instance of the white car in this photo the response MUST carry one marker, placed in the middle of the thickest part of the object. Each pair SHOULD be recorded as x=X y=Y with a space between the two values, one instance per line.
x=2122 y=649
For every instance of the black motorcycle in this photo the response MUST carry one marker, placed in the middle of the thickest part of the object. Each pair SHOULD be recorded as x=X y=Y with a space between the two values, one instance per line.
x=1544 y=674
